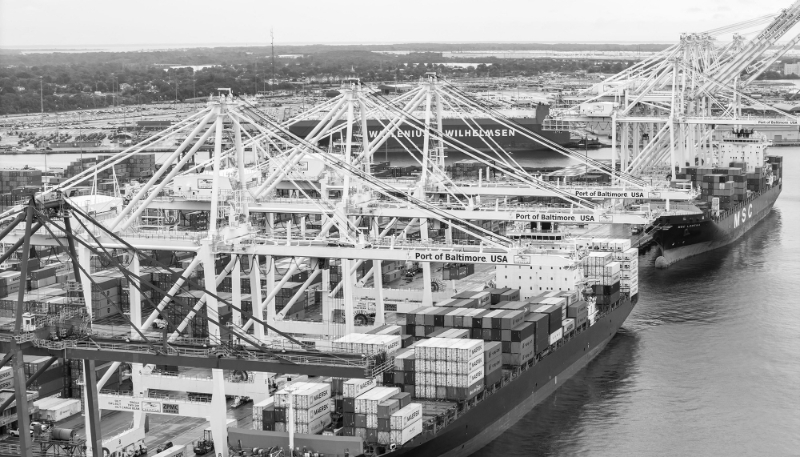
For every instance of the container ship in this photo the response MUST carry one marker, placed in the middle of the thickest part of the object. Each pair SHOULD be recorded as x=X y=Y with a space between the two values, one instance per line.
x=465 y=370
x=477 y=132
x=733 y=199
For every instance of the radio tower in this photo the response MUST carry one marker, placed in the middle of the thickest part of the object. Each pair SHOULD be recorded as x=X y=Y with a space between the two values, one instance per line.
x=272 y=45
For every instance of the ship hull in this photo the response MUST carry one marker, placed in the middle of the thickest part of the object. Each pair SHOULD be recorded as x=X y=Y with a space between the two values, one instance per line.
x=481 y=134
x=490 y=418
x=688 y=238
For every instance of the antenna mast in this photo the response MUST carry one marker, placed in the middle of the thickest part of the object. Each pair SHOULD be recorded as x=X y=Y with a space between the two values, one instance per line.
x=272 y=44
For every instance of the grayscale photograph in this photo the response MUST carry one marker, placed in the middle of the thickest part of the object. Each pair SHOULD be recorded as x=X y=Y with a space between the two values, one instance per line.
x=403 y=229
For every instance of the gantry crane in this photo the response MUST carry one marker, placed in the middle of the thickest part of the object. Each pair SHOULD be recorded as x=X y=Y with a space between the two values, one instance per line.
x=664 y=109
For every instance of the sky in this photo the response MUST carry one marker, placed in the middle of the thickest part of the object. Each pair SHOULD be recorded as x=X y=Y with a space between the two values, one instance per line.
x=104 y=23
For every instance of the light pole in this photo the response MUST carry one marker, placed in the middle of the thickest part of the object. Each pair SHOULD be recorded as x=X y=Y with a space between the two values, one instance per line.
x=41 y=106
x=290 y=419
x=80 y=134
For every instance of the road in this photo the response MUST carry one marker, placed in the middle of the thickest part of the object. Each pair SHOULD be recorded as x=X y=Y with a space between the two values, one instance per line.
x=162 y=428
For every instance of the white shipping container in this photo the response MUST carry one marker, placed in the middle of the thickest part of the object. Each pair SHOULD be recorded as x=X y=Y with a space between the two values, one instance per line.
x=464 y=350
x=352 y=388
x=464 y=380
x=304 y=395
x=626 y=274
x=620 y=245
x=315 y=427
x=598 y=259
x=5 y=373
x=557 y=335
x=61 y=409
x=604 y=280
x=568 y=325
x=306 y=416
x=454 y=367
x=367 y=403
x=419 y=389
x=631 y=254
x=406 y=416
x=441 y=348
x=474 y=376
x=407 y=434
x=448 y=349
x=258 y=407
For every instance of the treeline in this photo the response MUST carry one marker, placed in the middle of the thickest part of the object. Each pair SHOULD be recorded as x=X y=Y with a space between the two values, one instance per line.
x=71 y=80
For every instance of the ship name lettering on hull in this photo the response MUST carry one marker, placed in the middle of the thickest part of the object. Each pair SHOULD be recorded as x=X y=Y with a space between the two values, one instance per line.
x=740 y=217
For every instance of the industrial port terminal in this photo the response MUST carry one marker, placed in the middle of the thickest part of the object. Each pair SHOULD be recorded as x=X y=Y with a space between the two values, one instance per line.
x=272 y=287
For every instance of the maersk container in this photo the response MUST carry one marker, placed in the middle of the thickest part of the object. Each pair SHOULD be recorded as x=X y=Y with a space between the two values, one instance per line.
x=60 y=410
x=357 y=386
x=315 y=427
x=406 y=416
x=407 y=434
x=484 y=298
x=368 y=402
x=307 y=416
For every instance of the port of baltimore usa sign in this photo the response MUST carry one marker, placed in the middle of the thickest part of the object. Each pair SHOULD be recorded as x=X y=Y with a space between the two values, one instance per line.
x=492 y=258
x=567 y=218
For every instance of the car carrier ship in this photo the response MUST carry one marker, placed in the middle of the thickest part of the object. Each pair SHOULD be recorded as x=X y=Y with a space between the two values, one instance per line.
x=467 y=369
x=481 y=133
x=735 y=195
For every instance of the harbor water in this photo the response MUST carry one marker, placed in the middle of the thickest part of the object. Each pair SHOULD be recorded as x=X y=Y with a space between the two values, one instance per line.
x=707 y=364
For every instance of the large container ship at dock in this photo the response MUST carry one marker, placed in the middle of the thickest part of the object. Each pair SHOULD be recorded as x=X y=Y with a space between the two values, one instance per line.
x=735 y=195
x=538 y=328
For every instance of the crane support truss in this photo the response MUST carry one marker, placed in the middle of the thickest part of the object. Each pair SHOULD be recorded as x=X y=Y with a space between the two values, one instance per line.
x=664 y=109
